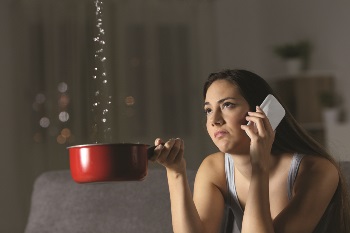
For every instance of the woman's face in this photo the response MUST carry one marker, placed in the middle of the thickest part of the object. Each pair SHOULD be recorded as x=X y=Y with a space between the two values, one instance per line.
x=226 y=111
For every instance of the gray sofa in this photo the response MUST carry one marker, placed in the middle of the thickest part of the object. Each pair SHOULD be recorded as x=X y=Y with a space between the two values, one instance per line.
x=59 y=205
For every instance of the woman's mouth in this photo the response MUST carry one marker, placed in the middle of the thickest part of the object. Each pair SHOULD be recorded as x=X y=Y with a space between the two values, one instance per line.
x=220 y=133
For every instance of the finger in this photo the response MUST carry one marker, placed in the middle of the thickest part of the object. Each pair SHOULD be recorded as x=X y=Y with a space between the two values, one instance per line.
x=249 y=131
x=266 y=120
x=156 y=152
x=175 y=150
x=265 y=127
x=166 y=150
x=158 y=141
x=258 y=125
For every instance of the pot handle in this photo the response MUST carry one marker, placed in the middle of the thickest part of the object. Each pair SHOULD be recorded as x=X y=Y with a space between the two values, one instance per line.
x=150 y=151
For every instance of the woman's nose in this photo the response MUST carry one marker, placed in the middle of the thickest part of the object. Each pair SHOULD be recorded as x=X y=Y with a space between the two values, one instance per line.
x=217 y=119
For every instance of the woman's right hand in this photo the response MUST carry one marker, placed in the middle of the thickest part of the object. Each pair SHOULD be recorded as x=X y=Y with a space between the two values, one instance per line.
x=170 y=154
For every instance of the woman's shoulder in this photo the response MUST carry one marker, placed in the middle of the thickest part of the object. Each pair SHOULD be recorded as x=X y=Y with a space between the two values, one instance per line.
x=212 y=169
x=316 y=164
x=317 y=169
x=215 y=161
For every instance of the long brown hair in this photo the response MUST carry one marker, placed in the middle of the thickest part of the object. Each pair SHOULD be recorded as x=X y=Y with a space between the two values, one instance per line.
x=290 y=138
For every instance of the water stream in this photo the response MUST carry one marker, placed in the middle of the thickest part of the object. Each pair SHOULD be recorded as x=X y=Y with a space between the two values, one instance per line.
x=101 y=130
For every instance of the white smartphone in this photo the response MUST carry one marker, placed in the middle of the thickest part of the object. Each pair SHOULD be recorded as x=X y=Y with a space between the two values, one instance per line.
x=273 y=110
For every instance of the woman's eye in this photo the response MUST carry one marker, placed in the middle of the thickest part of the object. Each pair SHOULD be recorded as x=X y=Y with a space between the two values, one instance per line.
x=207 y=111
x=228 y=105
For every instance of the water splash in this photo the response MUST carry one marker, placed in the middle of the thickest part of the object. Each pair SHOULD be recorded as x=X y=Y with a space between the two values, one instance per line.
x=101 y=130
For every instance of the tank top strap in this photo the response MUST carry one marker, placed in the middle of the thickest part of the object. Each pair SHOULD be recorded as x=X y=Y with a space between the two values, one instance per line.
x=232 y=197
x=293 y=172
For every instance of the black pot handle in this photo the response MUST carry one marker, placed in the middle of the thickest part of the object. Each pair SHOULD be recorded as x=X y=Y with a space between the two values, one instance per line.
x=150 y=151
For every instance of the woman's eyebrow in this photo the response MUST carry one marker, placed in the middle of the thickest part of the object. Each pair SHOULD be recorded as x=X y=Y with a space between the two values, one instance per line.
x=221 y=100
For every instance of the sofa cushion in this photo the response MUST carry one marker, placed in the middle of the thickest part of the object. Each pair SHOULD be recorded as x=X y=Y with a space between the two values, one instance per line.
x=59 y=205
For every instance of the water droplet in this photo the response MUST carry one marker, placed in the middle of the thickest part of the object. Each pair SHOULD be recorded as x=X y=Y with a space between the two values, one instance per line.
x=95 y=68
x=102 y=42
x=104 y=74
x=105 y=81
x=97 y=93
x=94 y=77
x=95 y=104
x=105 y=111
x=103 y=59
x=96 y=38
x=104 y=120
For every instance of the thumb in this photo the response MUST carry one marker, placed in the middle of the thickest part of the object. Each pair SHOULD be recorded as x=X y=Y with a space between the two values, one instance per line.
x=158 y=141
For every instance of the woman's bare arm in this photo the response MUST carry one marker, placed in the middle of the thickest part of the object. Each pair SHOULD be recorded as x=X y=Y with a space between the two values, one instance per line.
x=188 y=216
x=314 y=188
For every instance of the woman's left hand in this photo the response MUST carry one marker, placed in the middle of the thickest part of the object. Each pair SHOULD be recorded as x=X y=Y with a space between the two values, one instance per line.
x=261 y=135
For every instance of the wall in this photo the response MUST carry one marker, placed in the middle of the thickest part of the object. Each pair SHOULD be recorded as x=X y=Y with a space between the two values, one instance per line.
x=248 y=30
x=10 y=201
x=240 y=29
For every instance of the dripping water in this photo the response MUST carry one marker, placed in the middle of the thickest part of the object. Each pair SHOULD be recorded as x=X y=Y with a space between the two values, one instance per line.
x=101 y=130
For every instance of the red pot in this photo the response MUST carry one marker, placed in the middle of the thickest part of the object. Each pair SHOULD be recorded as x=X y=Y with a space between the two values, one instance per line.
x=109 y=162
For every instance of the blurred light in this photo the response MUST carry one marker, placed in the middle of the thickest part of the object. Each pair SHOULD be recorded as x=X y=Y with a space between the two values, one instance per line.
x=44 y=122
x=130 y=100
x=38 y=137
x=66 y=132
x=63 y=101
x=60 y=139
x=63 y=116
x=40 y=98
x=62 y=87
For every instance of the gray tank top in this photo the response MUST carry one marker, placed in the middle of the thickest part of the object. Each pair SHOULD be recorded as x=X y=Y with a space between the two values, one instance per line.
x=232 y=202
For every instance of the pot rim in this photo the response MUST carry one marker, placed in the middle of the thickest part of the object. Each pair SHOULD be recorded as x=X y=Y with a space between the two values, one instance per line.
x=108 y=144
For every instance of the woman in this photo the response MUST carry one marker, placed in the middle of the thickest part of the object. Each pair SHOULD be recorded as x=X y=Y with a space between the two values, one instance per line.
x=272 y=181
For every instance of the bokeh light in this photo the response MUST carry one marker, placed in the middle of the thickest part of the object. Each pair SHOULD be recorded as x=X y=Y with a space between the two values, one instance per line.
x=63 y=101
x=63 y=116
x=44 y=122
x=60 y=139
x=62 y=87
x=129 y=100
